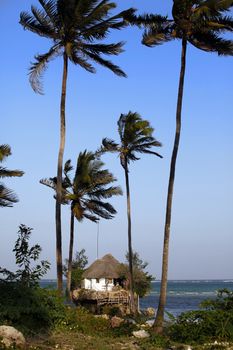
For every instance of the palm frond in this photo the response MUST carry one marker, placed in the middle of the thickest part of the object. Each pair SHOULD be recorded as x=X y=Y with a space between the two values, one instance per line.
x=109 y=145
x=107 y=49
x=76 y=58
x=4 y=172
x=217 y=5
x=152 y=152
x=106 y=63
x=92 y=217
x=7 y=197
x=42 y=19
x=37 y=69
x=49 y=182
x=211 y=42
x=102 y=209
x=219 y=24
x=157 y=35
x=144 y=20
x=31 y=23
x=50 y=7
x=98 y=12
x=106 y=193
x=5 y=151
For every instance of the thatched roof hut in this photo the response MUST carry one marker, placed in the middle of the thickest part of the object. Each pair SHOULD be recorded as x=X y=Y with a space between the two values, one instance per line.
x=106 y=267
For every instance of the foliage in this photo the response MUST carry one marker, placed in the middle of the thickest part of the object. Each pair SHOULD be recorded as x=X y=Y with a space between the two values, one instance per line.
x=78 y=265
x=142 y=279
x=75 y=29
x=135 y=137
x=24 y=255
x=7 y=196
x=30 y=309
x=200 y=23
x=89 y=187
x=213 y=321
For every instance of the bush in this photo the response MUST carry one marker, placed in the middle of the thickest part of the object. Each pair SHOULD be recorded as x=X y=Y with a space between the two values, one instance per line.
x=213 y=321
x=29 y=309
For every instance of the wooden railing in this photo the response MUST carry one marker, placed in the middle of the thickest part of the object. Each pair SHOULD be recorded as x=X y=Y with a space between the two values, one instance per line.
x=119 y=299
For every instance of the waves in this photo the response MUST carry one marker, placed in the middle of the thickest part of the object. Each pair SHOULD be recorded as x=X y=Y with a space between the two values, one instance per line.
x=185 y=295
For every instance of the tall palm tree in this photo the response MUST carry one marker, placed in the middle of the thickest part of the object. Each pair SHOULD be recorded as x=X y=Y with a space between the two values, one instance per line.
x=7 y=196
x=86 y=194
x=75 y=28
x=199 y=23
x=135 y=137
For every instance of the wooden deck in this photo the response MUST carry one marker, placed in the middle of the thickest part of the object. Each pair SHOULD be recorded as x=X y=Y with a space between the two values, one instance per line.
x=113 y=300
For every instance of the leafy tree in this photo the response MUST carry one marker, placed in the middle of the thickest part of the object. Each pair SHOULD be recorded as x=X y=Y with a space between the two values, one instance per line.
x=199 y=23
x=86 y=194
x=78 y=266
x=24 y=255
x=135 y=137
x=7 y=196
x=75 y=28
x=142 y=279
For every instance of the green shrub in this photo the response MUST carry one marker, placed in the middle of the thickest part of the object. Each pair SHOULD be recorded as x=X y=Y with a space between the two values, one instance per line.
x=213 y=321
x=29 y=309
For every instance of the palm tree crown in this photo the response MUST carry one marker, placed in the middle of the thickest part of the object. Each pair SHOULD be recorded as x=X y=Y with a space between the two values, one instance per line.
x=91 y=186
x=135 y=137
x=200 y=22
x=7 y=196
x=74 y=26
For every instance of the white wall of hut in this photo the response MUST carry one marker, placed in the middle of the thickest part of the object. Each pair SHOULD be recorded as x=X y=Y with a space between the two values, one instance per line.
x=98 y=284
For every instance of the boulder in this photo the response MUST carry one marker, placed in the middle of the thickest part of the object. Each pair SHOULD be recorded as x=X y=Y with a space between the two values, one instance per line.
x=150 y=311
x=116 y=321
x=11 y=337
x=104 y=316
x=141 y=334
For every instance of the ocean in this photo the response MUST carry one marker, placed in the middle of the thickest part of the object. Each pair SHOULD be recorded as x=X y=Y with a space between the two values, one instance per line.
x=185 y=295
x=182 y=295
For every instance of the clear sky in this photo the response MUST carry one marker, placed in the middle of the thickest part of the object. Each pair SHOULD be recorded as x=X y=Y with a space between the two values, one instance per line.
x=202 y=220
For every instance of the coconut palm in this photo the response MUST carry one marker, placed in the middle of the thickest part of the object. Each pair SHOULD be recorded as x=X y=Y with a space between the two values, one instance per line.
x=86 y=194
x=199 y=23
x=7 y=196
x=75 y=28
x=135 y=137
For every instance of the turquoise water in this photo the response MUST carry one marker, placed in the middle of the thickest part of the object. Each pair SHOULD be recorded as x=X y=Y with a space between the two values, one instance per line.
x=181 y=295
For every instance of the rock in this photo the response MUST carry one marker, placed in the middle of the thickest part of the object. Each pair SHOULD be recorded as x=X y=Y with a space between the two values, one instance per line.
x=116 y=321
x=141 y=334
x=150 y=311
x=104 y=316
x=10 y=337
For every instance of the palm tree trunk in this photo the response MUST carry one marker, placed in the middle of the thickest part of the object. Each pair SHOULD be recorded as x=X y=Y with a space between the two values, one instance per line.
x=158 y=324
x=131 y=280
x=69 y=272
x=59 y=175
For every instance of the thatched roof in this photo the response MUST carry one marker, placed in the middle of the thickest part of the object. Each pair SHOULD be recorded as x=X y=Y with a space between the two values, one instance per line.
x=107 y=267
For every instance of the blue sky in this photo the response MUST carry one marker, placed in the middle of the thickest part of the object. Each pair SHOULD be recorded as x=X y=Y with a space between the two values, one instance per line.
x=202 y=220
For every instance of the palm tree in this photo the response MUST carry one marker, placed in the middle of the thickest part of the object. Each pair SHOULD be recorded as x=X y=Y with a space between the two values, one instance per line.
x=135 y=137
x=75 y=27
x=7 y=196
x=200 y=23
x=86 y=194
